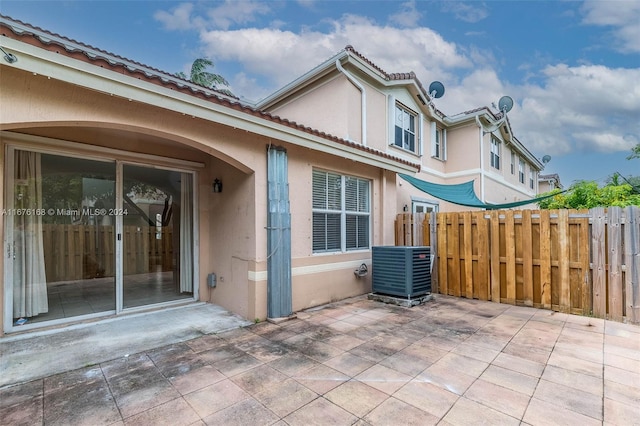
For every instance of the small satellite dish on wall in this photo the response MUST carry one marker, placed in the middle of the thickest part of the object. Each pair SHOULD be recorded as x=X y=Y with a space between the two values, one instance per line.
x=546 y=159
x=505 y=104
x=436 y=89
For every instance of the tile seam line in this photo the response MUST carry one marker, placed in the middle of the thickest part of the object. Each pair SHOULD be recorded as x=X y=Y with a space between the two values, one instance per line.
x=115 y=402
x=491 y=363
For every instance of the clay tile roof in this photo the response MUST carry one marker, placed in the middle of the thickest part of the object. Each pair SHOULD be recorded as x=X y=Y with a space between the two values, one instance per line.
x=394 y=76
x=65 y=46
x=82 y=51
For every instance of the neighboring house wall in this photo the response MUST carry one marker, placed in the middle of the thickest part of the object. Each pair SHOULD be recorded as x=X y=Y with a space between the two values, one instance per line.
x=464 y=151
x=549 y=182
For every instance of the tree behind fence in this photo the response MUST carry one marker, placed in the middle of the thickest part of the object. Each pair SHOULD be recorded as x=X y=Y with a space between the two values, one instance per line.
x=584 y=262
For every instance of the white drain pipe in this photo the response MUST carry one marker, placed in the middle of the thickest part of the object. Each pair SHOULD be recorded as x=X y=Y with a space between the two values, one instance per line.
x=363 y=99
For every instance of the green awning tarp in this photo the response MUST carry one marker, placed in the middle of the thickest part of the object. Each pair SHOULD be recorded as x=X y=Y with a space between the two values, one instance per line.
x=463 y=194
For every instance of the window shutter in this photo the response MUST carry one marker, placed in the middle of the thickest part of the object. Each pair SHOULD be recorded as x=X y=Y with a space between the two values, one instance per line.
x=443 y=145
x=319 y=188
x=434 y=129
x=421 y=135
x=392 y=120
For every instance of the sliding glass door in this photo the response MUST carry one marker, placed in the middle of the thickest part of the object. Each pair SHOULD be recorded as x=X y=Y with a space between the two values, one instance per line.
x=157 y=233
x=61 y=245
x=86 y=237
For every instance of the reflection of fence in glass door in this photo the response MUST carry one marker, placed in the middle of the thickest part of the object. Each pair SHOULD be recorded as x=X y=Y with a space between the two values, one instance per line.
x=147 y=250
x=77 y=252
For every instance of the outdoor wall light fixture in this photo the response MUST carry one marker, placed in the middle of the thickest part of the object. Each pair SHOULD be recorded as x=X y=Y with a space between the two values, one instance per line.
x=405 y=208
x=9 y=57
x=217 y=185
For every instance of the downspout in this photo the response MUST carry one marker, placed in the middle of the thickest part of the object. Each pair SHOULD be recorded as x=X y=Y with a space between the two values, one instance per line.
x=363 y=99
x=481 y=160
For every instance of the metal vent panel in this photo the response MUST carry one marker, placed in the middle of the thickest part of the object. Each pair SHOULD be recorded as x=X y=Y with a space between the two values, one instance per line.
x=401 y=271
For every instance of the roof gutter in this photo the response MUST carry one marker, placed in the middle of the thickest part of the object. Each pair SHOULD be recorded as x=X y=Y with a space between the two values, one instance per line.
x=363 y=99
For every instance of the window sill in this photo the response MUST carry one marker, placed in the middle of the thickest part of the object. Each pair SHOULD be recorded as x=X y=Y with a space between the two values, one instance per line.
x=404 y=150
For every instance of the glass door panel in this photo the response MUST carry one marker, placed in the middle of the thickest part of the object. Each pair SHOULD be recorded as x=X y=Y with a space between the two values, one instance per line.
x=157 y=235
x=61 y=237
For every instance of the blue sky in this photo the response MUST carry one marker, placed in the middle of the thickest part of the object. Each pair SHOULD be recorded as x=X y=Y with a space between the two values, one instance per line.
x=572 y=67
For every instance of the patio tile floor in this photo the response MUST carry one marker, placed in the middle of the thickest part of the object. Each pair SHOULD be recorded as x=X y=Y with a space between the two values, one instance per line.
x=451 y=361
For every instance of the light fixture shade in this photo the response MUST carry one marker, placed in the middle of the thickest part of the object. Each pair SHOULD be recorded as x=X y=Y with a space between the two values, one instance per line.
x=217 y=185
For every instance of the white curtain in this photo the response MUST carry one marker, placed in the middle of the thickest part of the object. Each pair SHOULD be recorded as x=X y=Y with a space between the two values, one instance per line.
x=186 y=233
x=29 y=279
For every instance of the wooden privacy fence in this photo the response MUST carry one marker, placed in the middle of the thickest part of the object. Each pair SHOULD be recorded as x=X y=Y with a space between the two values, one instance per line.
x=74 y=252
x=584 y=262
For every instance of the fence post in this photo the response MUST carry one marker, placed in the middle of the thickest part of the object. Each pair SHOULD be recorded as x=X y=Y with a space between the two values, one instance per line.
x=433 y=241
x=494 y=241
x=468 y=254
x=454 y=243
x=632 y=263
x=563 y=261
x=510 y=244
x=585 y=253
x=616 y=304
x=527 y=258
x=444 y=254
x=483 y=282
x=598 y=251
x=545 y=258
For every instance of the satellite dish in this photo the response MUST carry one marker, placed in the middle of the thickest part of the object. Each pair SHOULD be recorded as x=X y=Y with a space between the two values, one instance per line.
x=436 y=89
x=546 y=159
x=505 y=104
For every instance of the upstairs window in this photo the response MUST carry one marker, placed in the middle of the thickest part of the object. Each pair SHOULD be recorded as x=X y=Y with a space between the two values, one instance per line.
x=341 y=212
x=521 y=170
x=495 y=153
x=439 y=139
x=513 y=163
x=405 y=129
x=531 y=178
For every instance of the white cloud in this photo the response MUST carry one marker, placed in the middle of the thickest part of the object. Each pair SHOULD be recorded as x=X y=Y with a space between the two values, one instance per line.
x=407 y=17
x=229 y=13
x=178 y=19
x=578 y=109
x=479 y=88
x=622 y=16
x=467 y=12
x=236 y=12
x=282 y=56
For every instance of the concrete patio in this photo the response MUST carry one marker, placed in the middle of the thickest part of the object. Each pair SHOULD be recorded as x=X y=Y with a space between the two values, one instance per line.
x=450 y=361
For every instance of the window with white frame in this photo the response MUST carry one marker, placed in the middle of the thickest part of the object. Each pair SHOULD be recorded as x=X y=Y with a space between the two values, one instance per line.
x=513 y=163
x=405 y=128
x=521 y=170
x=341 y=212
x=495 y=153
x=439 y=149
x=531 y=178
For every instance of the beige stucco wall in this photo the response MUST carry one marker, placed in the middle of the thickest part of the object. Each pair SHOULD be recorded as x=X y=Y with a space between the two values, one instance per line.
x=463 y=149
x=331 y=105
x=232 y=234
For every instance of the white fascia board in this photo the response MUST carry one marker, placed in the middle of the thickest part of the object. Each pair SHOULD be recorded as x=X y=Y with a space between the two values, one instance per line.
x=521 y=189
x=60 y=67
x=461 y=173
x=285 y=90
